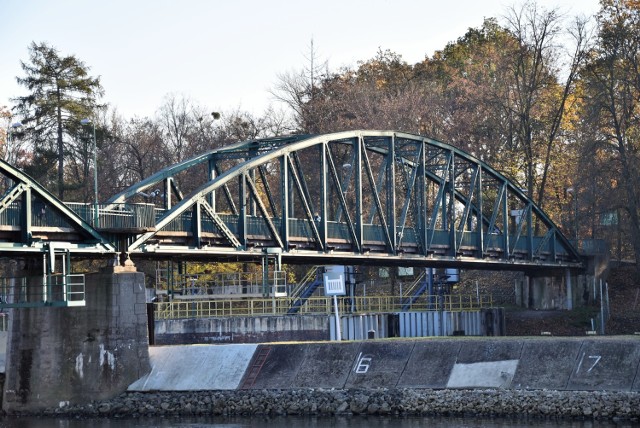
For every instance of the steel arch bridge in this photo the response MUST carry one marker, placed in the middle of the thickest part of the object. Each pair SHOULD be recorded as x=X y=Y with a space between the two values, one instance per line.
x=358 y=197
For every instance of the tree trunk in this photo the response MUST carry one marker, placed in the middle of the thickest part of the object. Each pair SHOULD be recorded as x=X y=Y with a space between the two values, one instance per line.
x=60 y=151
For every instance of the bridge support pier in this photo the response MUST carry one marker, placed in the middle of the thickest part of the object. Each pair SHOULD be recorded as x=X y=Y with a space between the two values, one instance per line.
x=75 y=355
x=569 y=286
x=552 y=292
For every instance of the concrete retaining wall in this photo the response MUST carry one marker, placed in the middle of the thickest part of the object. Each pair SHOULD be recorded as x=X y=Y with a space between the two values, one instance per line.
x=309 y=328
x=59 y=356
x=241 y=330
x=601 y=363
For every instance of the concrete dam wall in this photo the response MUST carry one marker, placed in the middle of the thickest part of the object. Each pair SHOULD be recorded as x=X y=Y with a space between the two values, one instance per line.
x=587 y=364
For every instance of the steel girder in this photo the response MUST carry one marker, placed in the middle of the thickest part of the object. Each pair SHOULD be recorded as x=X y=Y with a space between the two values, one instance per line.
x=352 y=197
x=34 y=221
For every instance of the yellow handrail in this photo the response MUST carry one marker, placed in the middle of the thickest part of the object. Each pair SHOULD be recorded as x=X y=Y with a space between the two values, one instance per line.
x=315 y=305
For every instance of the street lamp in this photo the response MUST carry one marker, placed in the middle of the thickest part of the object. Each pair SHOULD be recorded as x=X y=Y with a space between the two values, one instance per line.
x=95 y=171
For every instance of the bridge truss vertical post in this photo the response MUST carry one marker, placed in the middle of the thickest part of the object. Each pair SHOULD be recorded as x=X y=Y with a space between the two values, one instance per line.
x=391 y=194
x=26 y=216
x=359 y=147
x=196 y=224
x=451 y=204
x=505 y=224
x=323 y=195
x=212 y=176
x=284 y=192
x=242 y=218
x=421 y=202
x=167 y=193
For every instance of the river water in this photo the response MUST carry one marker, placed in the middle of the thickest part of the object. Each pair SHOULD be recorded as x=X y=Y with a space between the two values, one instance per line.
x=307 y=422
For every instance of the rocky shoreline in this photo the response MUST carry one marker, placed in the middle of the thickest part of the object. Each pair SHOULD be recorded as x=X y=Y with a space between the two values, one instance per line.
x=602 y=405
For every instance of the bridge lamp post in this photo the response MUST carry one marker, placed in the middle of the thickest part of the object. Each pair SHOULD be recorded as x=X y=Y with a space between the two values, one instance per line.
x=95 y=171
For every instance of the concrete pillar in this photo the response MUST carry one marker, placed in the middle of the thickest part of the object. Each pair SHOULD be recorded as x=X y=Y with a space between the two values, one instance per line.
x=74 y=355
x=569 y=289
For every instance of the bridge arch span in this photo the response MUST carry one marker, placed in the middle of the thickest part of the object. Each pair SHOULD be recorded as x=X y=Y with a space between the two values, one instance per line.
x=356 y=197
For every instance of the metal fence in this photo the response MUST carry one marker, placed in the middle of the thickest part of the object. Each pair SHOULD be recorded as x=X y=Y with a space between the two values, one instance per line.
x=49 y=290
x=315 y=305
x=210 y=286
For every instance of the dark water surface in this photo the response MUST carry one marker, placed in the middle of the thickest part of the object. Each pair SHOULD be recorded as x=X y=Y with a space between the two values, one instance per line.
x=295 y=421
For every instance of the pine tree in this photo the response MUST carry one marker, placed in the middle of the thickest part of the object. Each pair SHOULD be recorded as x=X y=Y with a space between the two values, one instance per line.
x=61 y=93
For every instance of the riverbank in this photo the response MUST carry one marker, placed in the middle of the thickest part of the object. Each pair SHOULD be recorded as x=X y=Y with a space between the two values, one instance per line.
x=539 y=404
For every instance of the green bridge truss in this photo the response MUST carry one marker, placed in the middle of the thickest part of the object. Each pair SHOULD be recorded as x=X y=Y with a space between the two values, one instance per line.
x=359 y=197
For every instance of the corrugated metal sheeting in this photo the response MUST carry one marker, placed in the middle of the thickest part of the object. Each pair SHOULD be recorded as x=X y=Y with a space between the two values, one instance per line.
x=441 y=323
x=358 y=327
x=487 y=322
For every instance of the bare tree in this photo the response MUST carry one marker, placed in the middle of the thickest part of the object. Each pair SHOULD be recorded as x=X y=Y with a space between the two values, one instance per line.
x=298 y=89
x=612 y=83
x=536 y=99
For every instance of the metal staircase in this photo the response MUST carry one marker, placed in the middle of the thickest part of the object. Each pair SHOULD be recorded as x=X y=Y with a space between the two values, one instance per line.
x=415 y=290
x=305 y=288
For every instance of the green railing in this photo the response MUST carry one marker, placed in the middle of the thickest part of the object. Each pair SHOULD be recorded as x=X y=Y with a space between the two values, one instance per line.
x=116 y=216
x=49 y=290
x=315 y=305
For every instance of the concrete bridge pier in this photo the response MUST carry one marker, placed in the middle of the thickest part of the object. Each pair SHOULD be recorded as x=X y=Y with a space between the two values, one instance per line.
x=74 y=355
x=567 y=289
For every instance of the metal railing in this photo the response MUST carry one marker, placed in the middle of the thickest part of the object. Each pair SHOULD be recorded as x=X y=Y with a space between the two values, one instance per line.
x=315 y=305
x=51 y=290
x=116 y=216
x=204 y=286
x=304 y=282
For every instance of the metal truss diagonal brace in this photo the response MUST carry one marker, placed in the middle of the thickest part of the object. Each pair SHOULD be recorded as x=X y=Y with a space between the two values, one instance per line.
x=305 y=203
x=220 y=224
x=263 y=211
x=11 y=196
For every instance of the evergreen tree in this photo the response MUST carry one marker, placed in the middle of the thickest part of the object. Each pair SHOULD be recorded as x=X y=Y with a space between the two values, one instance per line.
x=61 y=93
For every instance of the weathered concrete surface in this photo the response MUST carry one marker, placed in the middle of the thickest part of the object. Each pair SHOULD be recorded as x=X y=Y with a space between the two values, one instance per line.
x=195 y=368
x=3 y=350
x=241 y=329
x=607 y=364
x=326 y=365
x=79 y=354
x=430 y=364
x=491 y=374
x=477 y=351
x=281 y=366
x=586 y=364
x=379 y=364
x=546 y=363
x=485 y=363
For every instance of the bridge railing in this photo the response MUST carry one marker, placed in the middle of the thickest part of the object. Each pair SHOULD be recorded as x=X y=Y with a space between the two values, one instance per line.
x=315 y=305
x=121 y=217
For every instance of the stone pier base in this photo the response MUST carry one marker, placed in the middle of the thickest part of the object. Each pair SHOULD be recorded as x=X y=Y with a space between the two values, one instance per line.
x=71 y=356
